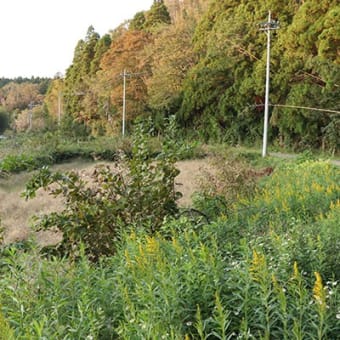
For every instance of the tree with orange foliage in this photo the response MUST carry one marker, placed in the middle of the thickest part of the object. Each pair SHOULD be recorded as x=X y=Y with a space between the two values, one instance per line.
x=126 y=53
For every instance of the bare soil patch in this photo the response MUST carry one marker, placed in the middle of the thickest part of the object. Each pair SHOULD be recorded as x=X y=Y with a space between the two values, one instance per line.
x=16 y=213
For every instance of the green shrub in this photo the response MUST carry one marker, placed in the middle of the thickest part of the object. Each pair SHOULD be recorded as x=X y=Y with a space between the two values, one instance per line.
x=138 y=192
x=17 y=163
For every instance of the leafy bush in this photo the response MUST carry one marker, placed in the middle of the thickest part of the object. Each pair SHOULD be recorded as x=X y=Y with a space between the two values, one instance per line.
x=16 y=163
x=138 y=194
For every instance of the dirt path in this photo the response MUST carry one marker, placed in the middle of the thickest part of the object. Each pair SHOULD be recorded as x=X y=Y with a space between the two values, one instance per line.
x=187 y=182
x=16 y=213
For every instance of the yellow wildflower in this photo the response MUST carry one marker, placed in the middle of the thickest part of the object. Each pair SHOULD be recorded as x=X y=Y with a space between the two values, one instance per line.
x=275 y=282
x=317 y=187
x=152 y=245
x=335 y=204
x=319 y=292
x=258 y=266
x=296 y=271
x=127 y=258
x=176 y=246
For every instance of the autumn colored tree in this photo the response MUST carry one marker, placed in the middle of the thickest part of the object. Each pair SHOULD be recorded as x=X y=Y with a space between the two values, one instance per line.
x=34 y=118
x=16 y=96
x=172 y=57
x=54 y=98
x=126 y=53
x=180 y=10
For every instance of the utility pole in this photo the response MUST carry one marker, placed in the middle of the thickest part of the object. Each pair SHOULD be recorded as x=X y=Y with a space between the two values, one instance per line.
x=124 y=102
x=267 y=27
x=59 y=106
x=124 y=75
x=30 y=115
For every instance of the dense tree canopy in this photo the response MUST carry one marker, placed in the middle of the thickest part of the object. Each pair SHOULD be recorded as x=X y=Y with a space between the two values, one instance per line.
x=223 y=89
x=205 y=62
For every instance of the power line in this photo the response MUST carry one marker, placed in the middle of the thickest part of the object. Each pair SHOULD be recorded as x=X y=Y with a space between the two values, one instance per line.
x=299 y=107
x=305 y=108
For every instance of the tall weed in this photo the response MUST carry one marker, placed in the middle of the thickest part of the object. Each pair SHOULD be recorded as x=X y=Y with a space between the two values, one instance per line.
x=296 y=192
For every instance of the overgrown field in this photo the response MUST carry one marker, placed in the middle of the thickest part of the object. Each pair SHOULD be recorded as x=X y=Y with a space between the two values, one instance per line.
x=261 y=261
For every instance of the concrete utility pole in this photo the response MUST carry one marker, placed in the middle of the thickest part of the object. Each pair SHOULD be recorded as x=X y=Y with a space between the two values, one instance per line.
x=124 y=102
x=59 y=106
x=124 y=75
x=30 y=115
x=267 y=27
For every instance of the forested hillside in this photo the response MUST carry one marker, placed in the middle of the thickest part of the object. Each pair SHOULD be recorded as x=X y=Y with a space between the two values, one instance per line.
x=204 y=61
x=19 y=97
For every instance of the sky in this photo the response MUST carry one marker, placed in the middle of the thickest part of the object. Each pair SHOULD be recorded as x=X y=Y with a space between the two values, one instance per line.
x=38 y=37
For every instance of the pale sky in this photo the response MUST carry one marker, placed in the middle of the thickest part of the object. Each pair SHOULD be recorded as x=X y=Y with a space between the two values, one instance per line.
x=38 y=37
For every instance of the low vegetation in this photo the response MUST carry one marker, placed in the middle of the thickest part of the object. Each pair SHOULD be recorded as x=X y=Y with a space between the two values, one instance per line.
x=256 y=256
x=265 y=265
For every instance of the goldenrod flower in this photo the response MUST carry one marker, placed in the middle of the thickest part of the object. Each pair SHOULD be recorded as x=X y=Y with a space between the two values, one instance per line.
x=152 y=246
x=296 y=271
x=258 y=265
x=127 y=258
x=319 y=292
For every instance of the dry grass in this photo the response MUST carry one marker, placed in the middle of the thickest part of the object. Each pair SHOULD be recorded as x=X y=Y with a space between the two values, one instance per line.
x=187 y=182
x=16 y=213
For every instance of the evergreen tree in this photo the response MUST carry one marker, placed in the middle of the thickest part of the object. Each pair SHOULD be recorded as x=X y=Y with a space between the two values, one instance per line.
x=138 y=21
x=222 y=91
x=157 y=15
x=309 y=69
x=78 y=75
